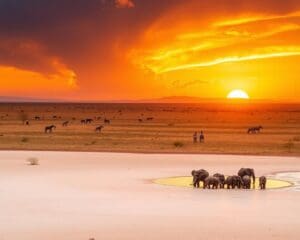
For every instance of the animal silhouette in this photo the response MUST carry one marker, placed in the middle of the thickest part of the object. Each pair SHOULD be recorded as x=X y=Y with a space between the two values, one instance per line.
x=98 y=129
x=66 y=123
x=49 y=129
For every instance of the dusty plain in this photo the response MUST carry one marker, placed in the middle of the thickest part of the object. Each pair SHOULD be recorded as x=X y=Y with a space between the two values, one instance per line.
x=170 y=131
x=111 y=196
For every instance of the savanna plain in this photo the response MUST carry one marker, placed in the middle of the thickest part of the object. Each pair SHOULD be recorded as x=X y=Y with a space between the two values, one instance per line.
x=87 y=184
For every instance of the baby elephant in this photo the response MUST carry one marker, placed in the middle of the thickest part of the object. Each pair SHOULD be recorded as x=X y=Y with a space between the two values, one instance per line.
x=221 y=179
x=262 y=182
x=246 y=182
x=211 y=182
x=233 y=182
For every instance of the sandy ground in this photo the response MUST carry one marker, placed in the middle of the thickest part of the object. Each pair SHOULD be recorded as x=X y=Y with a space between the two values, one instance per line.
x=170 y=131
x=72 y=196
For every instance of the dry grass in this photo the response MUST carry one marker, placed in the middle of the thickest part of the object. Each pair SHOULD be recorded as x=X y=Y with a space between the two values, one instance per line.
x=224 y=127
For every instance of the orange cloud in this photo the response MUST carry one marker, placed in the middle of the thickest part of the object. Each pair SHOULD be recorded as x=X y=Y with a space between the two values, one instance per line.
x=184 y=46
x=124 y=3
x=19 y=81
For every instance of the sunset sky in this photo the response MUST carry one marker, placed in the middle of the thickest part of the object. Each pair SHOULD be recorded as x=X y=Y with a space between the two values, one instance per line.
x=141 y=49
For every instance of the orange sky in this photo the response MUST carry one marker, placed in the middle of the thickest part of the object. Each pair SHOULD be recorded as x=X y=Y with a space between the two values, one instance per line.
x=139 y=49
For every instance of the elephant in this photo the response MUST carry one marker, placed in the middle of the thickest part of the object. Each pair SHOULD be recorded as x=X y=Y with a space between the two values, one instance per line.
x=198 y=176
x=246 y=182
x=228 y=182
x=247 y=172
x=221 y=179
x=262 y=182
x=233 y=182
x=211 y=182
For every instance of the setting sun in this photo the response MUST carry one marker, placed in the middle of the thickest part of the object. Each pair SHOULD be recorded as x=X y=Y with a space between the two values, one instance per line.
x=238 y=94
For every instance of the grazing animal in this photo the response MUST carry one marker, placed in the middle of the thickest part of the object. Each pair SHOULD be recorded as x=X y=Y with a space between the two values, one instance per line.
x=254 y=130
x=211 y=182
x=150 y=118
x=65 y=123
x=98 y=129
x=49 y=129
x=106 y=121
x=54 y=117
x=88 y=120
x=247 y=172
x=246 y=182
x=262 y=182
x=27 y=123
x=37 y=118
x=140 y=120
x=83 y=121
x=221 y=179
x=198 y=176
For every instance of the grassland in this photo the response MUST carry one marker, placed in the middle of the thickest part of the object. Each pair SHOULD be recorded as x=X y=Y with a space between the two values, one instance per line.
x=171 y=129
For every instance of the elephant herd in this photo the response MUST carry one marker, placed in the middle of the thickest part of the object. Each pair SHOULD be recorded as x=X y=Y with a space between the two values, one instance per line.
x=243 y=179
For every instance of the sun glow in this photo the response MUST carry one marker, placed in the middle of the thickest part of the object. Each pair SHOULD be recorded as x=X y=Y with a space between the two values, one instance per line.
x=238 y=94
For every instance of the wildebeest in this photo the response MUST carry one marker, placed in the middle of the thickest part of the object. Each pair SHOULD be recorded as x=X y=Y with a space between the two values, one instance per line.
x=247 y=172
x=140 y=120
x=65 y=123
x=150 y=118
x=49 y=129
x=106 y=121
x=262 y=182
x=98 y=129
x=82 y=121
x=254 y=130
x=88 y=120
x=37 y=118
x=198 y=176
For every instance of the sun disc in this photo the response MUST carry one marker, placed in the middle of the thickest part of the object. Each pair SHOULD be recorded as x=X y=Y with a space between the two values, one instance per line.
x=238 y=94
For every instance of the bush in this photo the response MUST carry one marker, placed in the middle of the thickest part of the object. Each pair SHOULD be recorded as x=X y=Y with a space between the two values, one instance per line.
x=24 y=139
x=33 y=161
x=178 y=144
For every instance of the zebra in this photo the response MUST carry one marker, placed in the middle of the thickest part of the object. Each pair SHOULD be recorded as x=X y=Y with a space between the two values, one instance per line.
x=49 y=129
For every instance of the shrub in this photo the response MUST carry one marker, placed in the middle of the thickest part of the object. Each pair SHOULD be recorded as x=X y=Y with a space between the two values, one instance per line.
x=33 y=161
x=178 y=144
x=24 y=139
